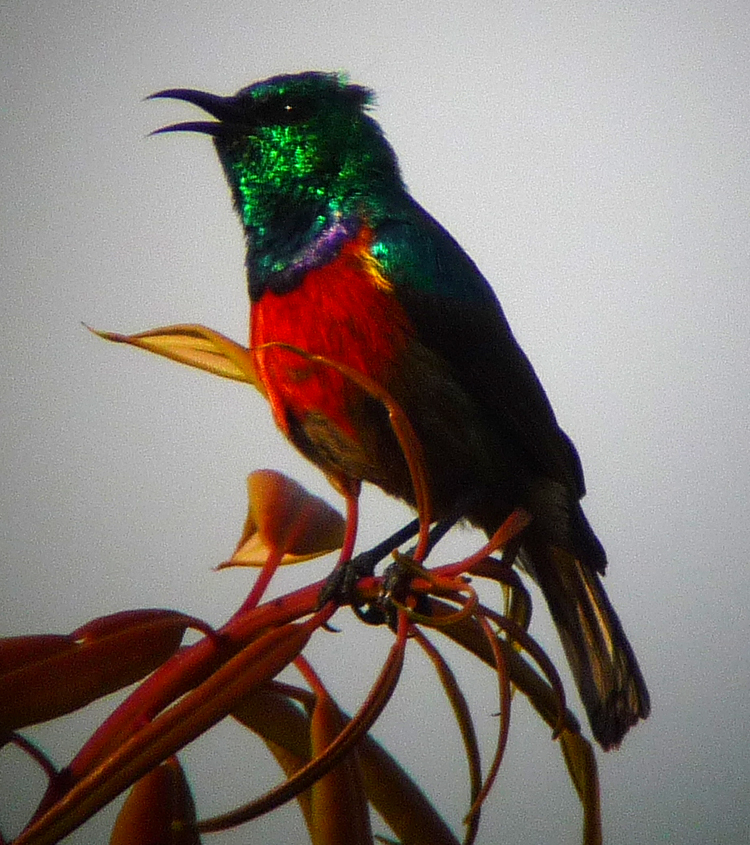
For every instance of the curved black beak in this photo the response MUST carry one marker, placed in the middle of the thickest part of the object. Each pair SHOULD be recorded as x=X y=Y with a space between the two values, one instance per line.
x=222 y=108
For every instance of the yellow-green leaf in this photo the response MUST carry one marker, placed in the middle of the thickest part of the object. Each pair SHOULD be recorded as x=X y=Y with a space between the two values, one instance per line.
x=581 y=763
x=196 y=346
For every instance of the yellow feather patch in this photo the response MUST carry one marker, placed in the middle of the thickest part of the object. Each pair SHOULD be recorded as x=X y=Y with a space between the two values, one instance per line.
x=374 y=270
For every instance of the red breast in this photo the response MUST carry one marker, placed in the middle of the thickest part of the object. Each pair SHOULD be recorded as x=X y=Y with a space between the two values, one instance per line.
x=344 y=311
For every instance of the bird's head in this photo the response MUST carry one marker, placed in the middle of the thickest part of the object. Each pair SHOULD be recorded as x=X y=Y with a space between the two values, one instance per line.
x=302 y=141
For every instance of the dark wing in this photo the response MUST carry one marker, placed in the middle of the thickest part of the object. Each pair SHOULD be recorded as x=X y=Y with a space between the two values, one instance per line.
x=456 y=314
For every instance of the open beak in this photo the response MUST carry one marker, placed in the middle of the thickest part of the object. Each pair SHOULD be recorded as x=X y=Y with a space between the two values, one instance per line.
x=222 y=108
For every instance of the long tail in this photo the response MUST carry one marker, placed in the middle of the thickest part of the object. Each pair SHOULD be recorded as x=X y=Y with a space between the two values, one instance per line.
x=603 y=663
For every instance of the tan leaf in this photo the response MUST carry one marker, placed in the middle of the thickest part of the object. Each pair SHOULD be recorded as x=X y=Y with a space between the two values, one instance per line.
x=196 y=346
x=339 y=807
x=397 y=798
x=283 y=517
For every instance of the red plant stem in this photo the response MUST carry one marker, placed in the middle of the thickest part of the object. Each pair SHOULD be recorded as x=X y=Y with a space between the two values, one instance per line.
x=35 y=753
x=508 y=531
x=183 y=671
x=190 y=717
x=504 y=694
x=354 y=730
x=263 y=580
x=190 y=666
x=303 y=666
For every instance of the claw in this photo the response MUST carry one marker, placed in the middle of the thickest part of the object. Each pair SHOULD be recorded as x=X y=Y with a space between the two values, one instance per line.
x=341 y=585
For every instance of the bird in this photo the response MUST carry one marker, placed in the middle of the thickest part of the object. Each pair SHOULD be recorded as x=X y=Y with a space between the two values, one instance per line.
x=344 y=264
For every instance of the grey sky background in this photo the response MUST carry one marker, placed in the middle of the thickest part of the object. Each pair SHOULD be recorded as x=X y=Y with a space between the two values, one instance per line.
x=593 y=160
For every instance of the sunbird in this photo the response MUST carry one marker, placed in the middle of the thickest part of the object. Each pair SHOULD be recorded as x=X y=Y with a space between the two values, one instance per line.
x=343 y=263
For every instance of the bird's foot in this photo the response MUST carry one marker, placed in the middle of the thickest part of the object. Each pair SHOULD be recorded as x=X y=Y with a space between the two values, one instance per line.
x=341 y=586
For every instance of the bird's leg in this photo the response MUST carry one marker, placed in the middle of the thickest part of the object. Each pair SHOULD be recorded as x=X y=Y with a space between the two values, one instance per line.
x=396 y=578
x=341 y=584
x=352 y=524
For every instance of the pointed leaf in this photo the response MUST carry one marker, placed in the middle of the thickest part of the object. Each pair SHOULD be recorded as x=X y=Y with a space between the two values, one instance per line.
x=170 y=731
x=340 y=812
x=196 y=346
x=285 y=730
x=159 y=810
x=398 y=799
x=17 y=652
x=356 y=728
x=47 y=676
x=289 y=764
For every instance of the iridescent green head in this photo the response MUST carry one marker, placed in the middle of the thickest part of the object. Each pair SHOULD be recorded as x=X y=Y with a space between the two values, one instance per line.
x=301 y=154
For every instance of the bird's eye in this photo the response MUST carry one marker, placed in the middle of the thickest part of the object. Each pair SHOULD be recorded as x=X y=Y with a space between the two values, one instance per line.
x=285 y=111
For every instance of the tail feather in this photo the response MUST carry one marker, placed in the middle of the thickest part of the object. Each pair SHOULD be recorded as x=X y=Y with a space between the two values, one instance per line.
x=601 y=658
